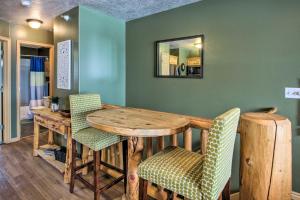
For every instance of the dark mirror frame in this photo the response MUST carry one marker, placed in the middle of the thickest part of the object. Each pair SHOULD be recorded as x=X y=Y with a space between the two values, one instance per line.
x=156 y=71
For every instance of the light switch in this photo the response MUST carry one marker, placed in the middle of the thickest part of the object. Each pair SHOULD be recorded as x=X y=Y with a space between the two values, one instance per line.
x=292 y=93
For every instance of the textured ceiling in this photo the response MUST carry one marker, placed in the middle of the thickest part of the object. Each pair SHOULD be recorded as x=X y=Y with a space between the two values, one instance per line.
x=13 y=12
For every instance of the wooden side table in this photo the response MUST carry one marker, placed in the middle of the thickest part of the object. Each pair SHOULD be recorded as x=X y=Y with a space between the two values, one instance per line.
x=55 y=123
x=266 y=157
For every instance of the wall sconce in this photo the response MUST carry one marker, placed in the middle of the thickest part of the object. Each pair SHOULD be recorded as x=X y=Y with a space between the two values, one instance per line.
x=34 y=23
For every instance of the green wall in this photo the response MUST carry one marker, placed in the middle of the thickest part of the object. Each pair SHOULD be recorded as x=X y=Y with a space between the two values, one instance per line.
x=68 y=30
x=4 y=29
x=98 y=54
x=19 y=32
x=102 y=55
x=251 y=53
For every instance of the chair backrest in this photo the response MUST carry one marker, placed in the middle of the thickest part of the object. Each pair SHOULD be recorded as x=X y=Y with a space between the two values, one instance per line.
x=81 y=105
x=218 y=160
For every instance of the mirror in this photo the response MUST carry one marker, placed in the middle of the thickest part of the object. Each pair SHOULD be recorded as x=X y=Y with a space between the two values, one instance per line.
x=180 y=57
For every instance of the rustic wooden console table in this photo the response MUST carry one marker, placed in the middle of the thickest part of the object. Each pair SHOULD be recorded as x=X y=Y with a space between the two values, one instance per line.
x=55 y=123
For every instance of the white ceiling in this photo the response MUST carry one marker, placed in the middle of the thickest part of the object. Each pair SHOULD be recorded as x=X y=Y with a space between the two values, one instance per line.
x=45 y=10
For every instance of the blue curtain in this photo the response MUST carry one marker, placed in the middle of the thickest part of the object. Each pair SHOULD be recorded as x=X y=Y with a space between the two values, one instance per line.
x=37 y=81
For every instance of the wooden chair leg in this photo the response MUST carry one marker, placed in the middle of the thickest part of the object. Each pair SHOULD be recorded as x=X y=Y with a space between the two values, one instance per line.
x=73 y=166
x=170 y=195
x=97 y=158
x=125 y=162
x=143 y=193
x=226 y=191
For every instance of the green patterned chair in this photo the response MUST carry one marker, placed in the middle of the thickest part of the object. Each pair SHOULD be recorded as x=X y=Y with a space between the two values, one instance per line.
x=96 y=140
x=192 y=175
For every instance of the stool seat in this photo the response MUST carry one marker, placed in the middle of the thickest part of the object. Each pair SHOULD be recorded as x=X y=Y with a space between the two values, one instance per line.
x=175 y=169
x=81 y=105
x=96 y=139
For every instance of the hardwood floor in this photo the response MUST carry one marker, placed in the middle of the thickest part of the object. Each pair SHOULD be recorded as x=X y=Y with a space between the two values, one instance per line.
x=24 y=177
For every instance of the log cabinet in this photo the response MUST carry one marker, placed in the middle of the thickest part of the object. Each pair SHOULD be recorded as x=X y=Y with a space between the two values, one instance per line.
x=57 y=124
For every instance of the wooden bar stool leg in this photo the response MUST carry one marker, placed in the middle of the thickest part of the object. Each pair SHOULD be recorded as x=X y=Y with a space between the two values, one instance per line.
x=143 y=192
x=97 y=158
x=170 y=195
x=73 y=166
x=125 y=162
x=85 y=158
x=226 y=191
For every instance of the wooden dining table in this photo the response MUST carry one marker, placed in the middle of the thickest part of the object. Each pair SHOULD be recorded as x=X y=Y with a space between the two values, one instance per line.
x=137 y=124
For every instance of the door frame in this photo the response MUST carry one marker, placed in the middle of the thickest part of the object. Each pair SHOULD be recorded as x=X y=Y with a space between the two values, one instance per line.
x=51 y=66
x=7 y=90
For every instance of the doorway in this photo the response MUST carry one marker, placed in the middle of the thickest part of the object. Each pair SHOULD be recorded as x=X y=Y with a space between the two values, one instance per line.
x=34 y=81
x=5 y=88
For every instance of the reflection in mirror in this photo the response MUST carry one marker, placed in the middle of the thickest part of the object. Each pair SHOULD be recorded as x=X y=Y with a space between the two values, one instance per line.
x=181 y=57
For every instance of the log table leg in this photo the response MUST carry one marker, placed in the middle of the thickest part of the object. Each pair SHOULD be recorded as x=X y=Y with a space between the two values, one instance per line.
x=36 y=138
x=187 y=137
x=67 y=175
x=204 y=141
x=120 y=155
x=135 y=153
x=174 y=140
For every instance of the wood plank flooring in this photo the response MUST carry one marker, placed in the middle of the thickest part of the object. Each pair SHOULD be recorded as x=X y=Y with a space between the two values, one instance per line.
x=24 y=177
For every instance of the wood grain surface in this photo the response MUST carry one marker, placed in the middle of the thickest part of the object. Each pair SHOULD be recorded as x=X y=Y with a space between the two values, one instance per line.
x=53 y=116
x=265 y=171
x=138 y=122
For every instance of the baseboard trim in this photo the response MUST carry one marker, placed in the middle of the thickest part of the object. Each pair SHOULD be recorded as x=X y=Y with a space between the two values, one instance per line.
x=16 y=139
x=235 y=196
x=295 y=196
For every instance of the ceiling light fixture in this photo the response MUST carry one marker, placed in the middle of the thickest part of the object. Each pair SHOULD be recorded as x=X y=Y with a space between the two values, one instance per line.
x=26 y=3
x=66 y=17
x=34 y=23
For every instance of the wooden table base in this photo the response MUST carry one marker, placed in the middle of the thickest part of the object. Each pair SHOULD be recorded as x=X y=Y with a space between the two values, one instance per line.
x=135 y=153
x=67 y=175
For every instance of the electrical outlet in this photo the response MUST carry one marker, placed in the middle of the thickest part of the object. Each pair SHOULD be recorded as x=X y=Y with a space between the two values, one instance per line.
x=292 y=93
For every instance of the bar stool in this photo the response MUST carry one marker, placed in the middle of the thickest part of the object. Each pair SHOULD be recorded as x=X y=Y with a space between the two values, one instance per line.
x=96 y=140
x=192 y=175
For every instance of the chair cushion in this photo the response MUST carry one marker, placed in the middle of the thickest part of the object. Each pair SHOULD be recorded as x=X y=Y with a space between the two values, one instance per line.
x=175 y=169
x=218 y=160
x=96 y=139
x=81 y=105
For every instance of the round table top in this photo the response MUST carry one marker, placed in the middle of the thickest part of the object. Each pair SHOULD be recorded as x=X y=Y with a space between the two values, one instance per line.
x=137 y=122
